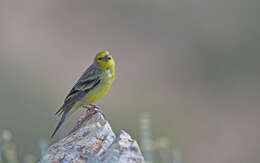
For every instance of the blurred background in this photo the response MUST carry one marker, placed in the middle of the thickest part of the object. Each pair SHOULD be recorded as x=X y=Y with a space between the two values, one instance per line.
x=192 y=65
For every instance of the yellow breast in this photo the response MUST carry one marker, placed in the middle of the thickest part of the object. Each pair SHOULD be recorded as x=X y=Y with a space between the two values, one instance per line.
x=100 y=90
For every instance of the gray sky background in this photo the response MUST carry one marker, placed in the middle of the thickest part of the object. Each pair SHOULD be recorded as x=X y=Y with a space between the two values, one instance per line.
x=192 y=64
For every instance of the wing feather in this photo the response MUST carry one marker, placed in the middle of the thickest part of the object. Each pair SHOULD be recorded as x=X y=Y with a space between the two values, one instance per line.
x=89 y=80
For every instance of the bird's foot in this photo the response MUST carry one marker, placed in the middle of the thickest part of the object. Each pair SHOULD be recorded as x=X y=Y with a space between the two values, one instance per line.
x=91 y=110
x=90 y=106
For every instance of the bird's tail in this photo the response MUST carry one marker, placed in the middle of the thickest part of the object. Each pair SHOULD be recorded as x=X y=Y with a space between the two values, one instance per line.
x=64 y=116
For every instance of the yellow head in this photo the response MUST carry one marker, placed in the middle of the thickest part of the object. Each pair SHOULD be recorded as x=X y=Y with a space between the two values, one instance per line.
x=105 y=60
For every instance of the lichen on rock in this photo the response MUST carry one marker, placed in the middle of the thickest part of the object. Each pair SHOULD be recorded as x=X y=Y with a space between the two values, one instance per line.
x=94 y=142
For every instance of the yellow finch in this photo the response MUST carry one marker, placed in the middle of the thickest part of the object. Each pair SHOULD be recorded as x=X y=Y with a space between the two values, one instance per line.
x=91 y=86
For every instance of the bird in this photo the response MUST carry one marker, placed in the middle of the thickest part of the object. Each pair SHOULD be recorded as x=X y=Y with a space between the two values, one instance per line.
x=94 y=83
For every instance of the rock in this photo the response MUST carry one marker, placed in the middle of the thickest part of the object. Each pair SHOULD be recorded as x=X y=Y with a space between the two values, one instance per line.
x=94 y=142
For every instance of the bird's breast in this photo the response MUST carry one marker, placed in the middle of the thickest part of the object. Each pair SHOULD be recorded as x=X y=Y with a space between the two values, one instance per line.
x=99 y=91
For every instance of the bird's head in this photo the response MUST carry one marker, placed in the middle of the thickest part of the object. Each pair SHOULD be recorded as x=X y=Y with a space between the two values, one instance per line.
x=105 y=60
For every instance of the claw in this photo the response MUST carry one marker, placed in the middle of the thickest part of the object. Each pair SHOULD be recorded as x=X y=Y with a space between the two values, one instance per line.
x=90 y=111
x=93 y=108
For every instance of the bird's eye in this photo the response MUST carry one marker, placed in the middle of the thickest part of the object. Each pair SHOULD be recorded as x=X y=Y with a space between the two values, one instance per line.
x=108 y=57
x=100 y=59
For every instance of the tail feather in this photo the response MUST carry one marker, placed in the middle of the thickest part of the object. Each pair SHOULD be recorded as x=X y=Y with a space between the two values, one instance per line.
x=65 y=110
x=64 y=116
x=61 y=110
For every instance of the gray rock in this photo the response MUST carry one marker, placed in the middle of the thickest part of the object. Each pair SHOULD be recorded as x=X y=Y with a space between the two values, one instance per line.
x=94 y=142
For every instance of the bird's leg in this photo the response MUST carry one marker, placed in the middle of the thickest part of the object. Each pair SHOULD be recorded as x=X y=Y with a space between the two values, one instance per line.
x=85 y=118
x=94 y=106
x=94 y=109
x=91 y=110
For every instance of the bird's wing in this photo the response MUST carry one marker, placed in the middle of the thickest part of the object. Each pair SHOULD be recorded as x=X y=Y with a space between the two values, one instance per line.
x=89 y=80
